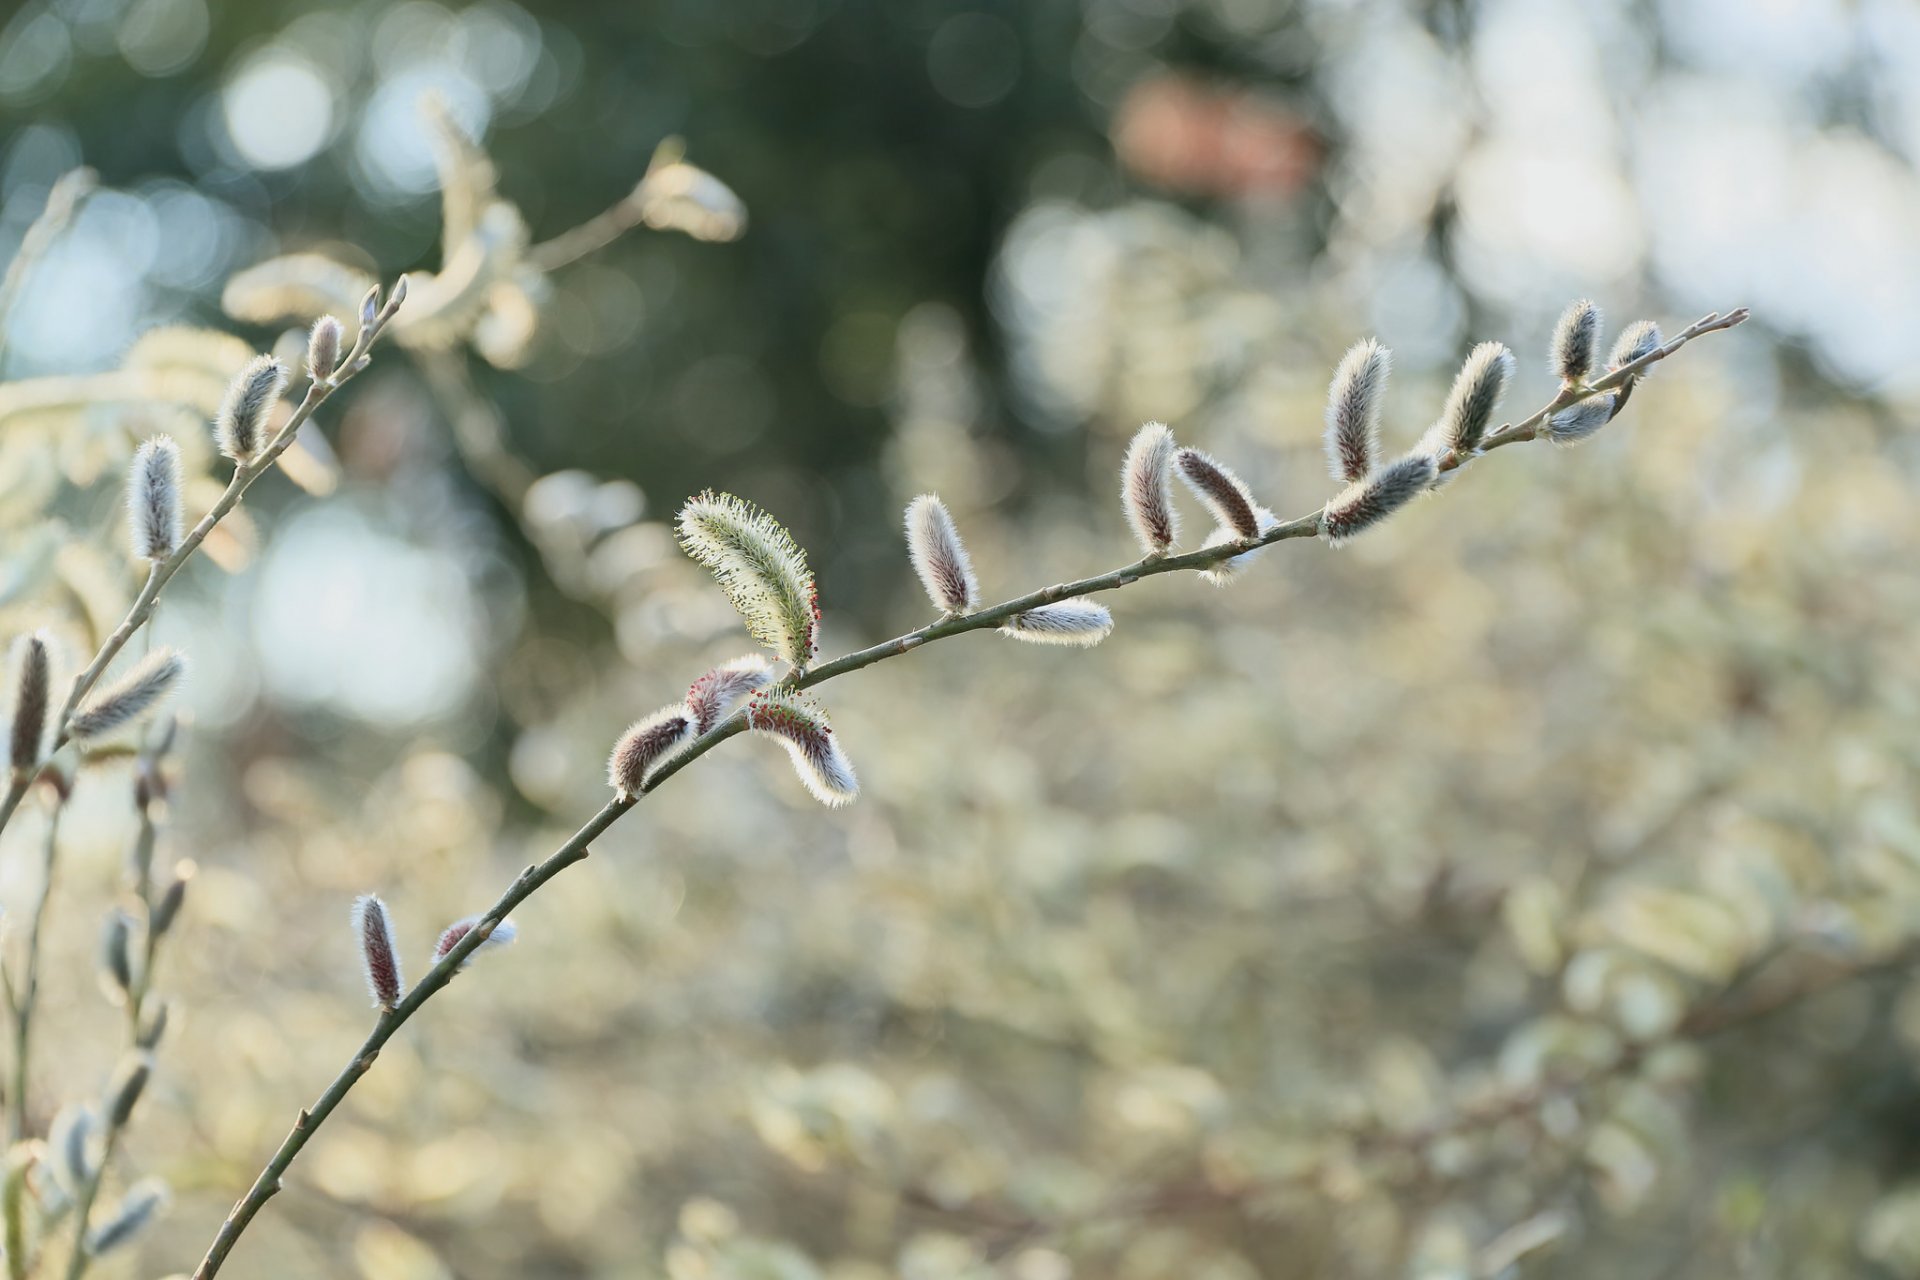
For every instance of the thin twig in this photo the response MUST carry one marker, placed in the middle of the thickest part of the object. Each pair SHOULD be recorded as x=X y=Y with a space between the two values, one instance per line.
x=26 y=996
x=63 y=201
x=575 y=849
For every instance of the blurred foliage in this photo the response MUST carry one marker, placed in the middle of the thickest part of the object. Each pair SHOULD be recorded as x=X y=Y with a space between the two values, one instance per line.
x=1529 y=890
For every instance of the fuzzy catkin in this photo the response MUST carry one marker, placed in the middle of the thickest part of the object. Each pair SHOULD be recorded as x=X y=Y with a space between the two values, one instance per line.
x=1221 y=491
x=1367 y=502
x=124 y=1090
x=645 y=745
x=242 y=425
x=144 y=1202
x=502 y=935
x=130 y=697
x=801 y=726
x=1146 y=488
x=1641 y=338
x=1575 y=339
x=759 y=567
x=153 y=499
x=1353 y=409
x=939 y=558
x=713 y=694
x=379 y=952
x=32 y=689
x=323 y=348
x=1474 y=398
x=1578 y=422
x=1080 y=624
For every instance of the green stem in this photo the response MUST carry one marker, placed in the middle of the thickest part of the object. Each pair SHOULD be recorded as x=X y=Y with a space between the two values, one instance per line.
x=267 y=1185
x=28 y=994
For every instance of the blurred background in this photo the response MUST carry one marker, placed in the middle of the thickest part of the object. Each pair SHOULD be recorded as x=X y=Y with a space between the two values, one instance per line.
x=1529 y=889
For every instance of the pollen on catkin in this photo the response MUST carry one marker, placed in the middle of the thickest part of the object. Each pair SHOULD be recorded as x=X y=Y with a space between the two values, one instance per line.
x=323 y=348
x=645 y=745
x=1080 y=624
x=503 y=935
x=939 y=558
x=1575 y=339
x=379 y=953
x=129 y=697
x=1577 y=422
x=801 y=726
x=241 y=427
x=1146 y=488
x=1472 y=402
x=33 y=661
x=759 y=567
x=153 y=499
x=1353 y=409
x=1367 y=502
x=1221 y=491
x=713 y=694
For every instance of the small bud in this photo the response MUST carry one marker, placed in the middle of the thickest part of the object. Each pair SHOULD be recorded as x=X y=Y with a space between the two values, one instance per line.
x=714 y=693
x=759 y=567
x=369 y=310
x=130 y=697
x=1228 y=499
x=1353 y=409
x=1575 y=340
x=1222 y=572
x=644 y=745
x=1476 y=394
x=939 y=557
x=323 y=348
x=32 y=658
x=379 y=953
x=153 y=499
x=503 y=935
x=124 y=1090
x=1146 y=488
x=394 y=301
x=242 y=424
x=116 y=955
x=802 y=728
x=70 y=1146
x=144 y=1202
x=153 y=1027
x=1077 y=623
x=167 y=909
x=1572 y=425
x=1366 y=503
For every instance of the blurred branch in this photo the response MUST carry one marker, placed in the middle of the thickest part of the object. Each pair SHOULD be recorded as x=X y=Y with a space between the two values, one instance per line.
x=63 y=201
x=576 y=849
x=244 y=474
x=23 y=996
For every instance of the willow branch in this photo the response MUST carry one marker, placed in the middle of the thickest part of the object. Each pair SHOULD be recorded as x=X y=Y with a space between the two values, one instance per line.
x=268 y=1184
x=26 y=995
x=63 y=201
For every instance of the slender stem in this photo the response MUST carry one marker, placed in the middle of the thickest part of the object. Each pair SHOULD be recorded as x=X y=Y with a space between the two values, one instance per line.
x=82 y=1255
x=27 y=996
x=63 y=201
x=591 y=236
x=574 y=850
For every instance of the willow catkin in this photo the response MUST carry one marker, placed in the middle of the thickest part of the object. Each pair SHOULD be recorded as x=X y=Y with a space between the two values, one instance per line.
x=130 y=697
x=939 y=558
x=32 y=690
x=1471 y=403
x=153 y=499
x=759 y=567
x=241 y=428
x=645 y=745
x=1146 y=488
x=714 y=694
x=323 y=348
x=1220 y=491
x=1576 y=338
x=379 y=952
x=800 y=725
x=1078 y=624
x=1353 y=409
x=1367 y=502
x=501 y=935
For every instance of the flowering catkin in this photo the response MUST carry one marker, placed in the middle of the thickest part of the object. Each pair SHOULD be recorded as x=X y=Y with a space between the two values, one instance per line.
x=130 y=697
x=1353 y=409
x=647 y=743
x=1146 y=488
x=939 y=557
x=242 y=424
x=143 y=1203
x=1477 y=390
x=1078 y=623
x=1367 y=502
x=1222 y=492
x=759 y=567
x=503 y=934
x=802 y=728
x=34 y=663
x=323 y=348
x=153 y=499
x=713 y=694
x=1575 y=339
x=379 y=953
x=1572 y=425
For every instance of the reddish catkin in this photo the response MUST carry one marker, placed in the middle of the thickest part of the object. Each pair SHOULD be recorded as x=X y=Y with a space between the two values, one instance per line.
x=1367 y=502
x=799 y=724
x=645 y=744
x=379 y=953
x=1353 y=409
x=1221 y=491
x=503 y=934
x=714 y=694
x=939 y=558
x=1146 y=489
